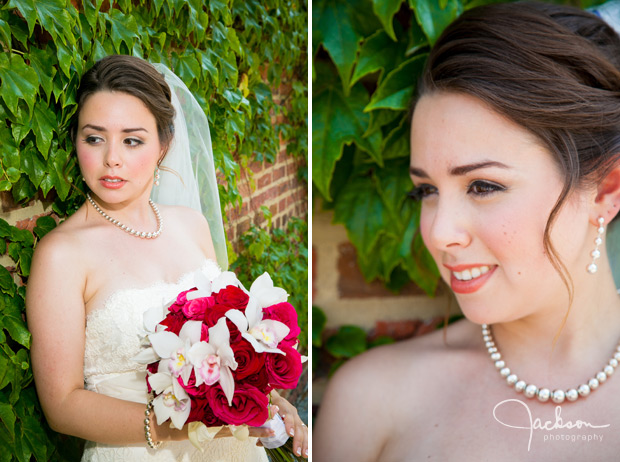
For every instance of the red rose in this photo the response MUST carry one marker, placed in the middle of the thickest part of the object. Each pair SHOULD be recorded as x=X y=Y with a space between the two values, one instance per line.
x=286 y=314
x=284 y=370
x=174 y=321
x=248 y=360
x=214 y=313
x=196 y=309
x=259 y=380
x=232 y=297
x=249 y=405
x=201 y=412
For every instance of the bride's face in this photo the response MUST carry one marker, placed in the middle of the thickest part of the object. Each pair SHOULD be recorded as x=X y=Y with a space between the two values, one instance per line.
x=487 y=188
x=117 y=146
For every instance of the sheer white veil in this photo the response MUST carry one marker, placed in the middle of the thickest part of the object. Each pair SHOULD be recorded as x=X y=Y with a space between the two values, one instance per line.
x=188 y=171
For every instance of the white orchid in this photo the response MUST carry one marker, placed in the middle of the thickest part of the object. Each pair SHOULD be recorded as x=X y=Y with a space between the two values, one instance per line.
x=263 y=335
x=213 y=360
x=172 y=402
x=205 y=287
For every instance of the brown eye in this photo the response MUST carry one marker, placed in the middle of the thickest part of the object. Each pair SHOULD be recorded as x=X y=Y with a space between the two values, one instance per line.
x=422 y=191
x=484 y=188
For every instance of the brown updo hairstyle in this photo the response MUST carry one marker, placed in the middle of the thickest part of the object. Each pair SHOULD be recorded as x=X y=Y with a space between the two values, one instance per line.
x=554 y=70
x=135 y=77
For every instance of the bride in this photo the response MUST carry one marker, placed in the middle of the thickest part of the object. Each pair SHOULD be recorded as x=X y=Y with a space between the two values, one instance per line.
x=515 y=157
x=121 y=253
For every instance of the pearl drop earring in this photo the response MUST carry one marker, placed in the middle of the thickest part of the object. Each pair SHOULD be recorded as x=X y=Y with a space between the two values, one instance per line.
x=157 y=176
x=596 y=253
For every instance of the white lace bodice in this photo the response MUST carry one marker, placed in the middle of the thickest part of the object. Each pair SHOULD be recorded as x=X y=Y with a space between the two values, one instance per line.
x=113 y=337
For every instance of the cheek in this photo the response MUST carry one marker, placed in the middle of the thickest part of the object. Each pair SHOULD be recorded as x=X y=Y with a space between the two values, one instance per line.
x=86 y=160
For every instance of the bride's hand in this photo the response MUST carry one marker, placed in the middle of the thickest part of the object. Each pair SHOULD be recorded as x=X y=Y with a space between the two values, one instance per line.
x=294 y=425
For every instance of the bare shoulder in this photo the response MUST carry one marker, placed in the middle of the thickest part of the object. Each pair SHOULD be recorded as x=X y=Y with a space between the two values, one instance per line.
x=190 y=224
x=393 y=387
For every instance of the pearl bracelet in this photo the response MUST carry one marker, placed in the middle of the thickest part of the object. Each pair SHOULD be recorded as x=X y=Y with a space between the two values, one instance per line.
x=147 y=426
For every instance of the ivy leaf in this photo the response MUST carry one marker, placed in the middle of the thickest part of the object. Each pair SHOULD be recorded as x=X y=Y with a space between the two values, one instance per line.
x=396 y=91
x=435 y=15
x=44 y=225
x=6 y=281
x=35 y=436
x=339 y=37
x=124 y=29
x=186 y=66
x=7 y=416
x=55 y=177
x=360 y=208
x=18 y=81
x=319 y=320
x=208 y=67
x=349 y=341
x=378 y=52
x=28 y=12
x=5 y=30
x=385 y=11
x=65 y=58
x=43 y=64
x=33 y=166
x=54 y=17
x=44 y=127
x=16 y=329
x=337 y=120
x=396 y=143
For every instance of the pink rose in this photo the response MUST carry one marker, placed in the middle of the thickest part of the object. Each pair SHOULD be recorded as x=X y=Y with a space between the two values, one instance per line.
x=286 y=314
x=232 y=297
x=248 y=360
x=284 y=370
x=196 y=309
x=190 y=386
x=249 y=405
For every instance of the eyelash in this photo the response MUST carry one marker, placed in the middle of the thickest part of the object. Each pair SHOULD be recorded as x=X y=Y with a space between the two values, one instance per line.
x=133 y=142
x=484 y=189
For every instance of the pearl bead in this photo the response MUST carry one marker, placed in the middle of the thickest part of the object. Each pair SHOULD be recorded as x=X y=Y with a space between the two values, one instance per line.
x=496 y=356
x=492 y=350
x=598 y=241
x=617 y=356
x=520 y=386
x=592 y=268
x=558 y=396
x=601 y=220
x=601 y=230
x=530 y=391
x=572 y=394
x=505 y=372
x=608 y=370
x=511 y=379
x=584 y=390
x=489 y=344
x=146 y=421
x=601 y=377
x=500 y=364
x=544 y=394
x=593 y=384
x=487 y=338
x=596 y=253
x=613 y=362
x=486 y=331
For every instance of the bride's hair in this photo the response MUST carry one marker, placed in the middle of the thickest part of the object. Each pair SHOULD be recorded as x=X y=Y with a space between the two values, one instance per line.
x=135 y=77
x=553 y=70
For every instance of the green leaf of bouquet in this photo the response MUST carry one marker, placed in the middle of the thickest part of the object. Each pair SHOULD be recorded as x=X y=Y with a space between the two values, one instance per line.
x=396 y=91
x=340 y=39
x=44 y=225
x=349 y=341
x=17 y=81
x=378 y=52
x=361 y=210
x=27 y=10
x=433 y=18
x=337 y=120
x=319 y=320
x=385 y=11
x=54 y=16
x=7 y=417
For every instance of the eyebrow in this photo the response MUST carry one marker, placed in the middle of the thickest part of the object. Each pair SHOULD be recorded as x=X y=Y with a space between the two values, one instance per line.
x=103 y=129
x=462 y=169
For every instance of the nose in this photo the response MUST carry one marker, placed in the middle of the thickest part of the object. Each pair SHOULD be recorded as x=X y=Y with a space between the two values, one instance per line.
x=112 y=156
x=448 y=226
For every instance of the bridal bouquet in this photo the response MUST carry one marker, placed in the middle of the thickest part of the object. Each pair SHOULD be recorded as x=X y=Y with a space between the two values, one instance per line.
x=216 y=352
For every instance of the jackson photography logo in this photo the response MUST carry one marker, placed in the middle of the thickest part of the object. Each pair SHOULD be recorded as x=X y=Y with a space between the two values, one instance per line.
x=530 y=424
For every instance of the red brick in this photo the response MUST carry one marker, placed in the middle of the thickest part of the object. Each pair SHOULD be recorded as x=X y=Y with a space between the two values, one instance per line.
x=290 y=200
x=273 y=209
x=256 y=166
x=243 y=227
x=282 y=205
x=279 y=173
x=282 y=189
x=283 y=156
x=244 y=189
x=264 y=180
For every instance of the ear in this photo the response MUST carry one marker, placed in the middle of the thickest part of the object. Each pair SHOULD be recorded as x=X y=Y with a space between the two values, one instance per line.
x=607 y=200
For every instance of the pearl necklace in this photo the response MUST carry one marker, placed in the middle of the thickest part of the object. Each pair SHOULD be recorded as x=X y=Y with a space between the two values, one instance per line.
x=544 y=394
x=126 y=228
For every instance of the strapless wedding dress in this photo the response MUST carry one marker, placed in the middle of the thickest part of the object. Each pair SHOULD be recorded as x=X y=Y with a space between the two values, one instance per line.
x=113 y=336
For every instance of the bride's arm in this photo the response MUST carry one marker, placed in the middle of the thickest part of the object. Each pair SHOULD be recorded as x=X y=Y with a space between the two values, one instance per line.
x=56 y=318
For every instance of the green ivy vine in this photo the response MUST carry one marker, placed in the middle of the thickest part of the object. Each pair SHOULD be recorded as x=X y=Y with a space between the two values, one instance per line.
x=368 y=56
x=234 y=55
